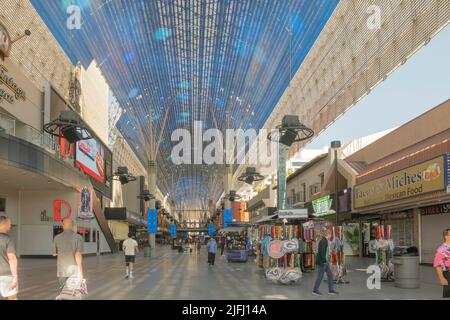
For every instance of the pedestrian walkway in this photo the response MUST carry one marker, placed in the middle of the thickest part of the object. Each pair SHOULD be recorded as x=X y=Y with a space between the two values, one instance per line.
x=172 y=275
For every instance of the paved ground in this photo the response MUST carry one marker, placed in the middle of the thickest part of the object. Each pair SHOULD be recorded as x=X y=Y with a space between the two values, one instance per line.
x=171 y=275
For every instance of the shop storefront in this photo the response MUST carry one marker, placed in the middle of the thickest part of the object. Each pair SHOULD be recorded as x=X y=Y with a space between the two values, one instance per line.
x=433 y=220
x=397 y=199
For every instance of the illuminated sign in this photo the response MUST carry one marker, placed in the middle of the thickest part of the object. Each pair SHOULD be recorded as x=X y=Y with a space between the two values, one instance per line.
x=227 y=217
x=428 y=176
x=5 y=42
x=211 y=229
x=322 y=206
x=9 y=90
x=173 y=230
x=90 y=158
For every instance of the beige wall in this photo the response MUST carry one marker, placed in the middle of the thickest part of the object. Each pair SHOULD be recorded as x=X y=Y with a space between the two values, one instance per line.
x=309 y=177
x=30 y=110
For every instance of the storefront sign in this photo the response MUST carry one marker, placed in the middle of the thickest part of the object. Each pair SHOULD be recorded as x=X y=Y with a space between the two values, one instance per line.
x=57 y=208
x=422 y=178
x=9 y=90
x=322 y=206
x=293 y=214
x=437 y=209
x=5 y=42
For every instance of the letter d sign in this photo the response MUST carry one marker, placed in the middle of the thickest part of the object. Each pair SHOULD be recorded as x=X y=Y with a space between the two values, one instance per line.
x=57 y=206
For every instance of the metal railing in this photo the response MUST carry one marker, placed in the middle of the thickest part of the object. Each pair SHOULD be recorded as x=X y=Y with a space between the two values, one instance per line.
x=13 y=127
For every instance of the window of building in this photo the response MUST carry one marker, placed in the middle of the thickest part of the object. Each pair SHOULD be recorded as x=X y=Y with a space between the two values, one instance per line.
x=304 y=191
x=322 y=179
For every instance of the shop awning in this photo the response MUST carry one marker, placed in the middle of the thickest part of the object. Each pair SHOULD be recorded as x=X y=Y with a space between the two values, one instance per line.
x=232 y=229
x=266 y=218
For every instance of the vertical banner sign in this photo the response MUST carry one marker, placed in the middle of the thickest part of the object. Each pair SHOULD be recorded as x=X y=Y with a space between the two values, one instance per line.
x=281 y=176
x=211 y=229
x=152 y=221
x=227 y=217
x=173 y=230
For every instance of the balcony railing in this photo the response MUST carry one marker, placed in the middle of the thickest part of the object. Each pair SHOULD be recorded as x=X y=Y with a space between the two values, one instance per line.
x=10 y=126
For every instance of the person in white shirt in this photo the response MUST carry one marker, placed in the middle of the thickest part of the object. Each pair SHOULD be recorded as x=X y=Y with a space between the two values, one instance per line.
x=130 y=247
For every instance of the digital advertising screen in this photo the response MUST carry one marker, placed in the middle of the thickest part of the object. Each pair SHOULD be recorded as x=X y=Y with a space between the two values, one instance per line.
x=90 y=157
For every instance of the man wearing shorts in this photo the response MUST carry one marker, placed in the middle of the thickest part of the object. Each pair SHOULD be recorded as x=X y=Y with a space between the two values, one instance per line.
x=442 y=264
x=130 y=247
x=68 y=248
x=8 y=262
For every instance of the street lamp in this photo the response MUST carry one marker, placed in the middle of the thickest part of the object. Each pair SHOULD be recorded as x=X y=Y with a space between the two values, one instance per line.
x=335 y=145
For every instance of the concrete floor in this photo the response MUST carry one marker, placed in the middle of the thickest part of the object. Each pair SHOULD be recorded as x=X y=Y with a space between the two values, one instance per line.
x=171 y=275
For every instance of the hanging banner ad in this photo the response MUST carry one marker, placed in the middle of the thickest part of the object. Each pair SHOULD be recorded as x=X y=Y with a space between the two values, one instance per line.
x=428 y=176
x=227 y=217
x=211 y=229
x=90 y=157
x=322 y=206
x=152 y=221
x=173 y=230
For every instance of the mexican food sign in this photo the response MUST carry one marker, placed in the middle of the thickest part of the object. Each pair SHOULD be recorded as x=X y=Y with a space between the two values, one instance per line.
x=428 y=176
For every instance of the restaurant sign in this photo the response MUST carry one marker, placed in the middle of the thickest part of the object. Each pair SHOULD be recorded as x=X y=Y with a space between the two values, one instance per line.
x=428 y=176
x=322 y=206
x=9 y=90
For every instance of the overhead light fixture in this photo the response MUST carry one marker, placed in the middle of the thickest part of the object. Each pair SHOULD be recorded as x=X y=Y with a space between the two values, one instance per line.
x=146 y=195
x=68 y=126
x=232 y=196
x=290 y=131
x=123 y=175
x=250 y=176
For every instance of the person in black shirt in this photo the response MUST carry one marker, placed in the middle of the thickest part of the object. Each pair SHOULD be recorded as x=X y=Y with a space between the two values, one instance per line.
x=323 y=265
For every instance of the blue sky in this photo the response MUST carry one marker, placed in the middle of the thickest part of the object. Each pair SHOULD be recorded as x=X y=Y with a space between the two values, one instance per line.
x=420 y=84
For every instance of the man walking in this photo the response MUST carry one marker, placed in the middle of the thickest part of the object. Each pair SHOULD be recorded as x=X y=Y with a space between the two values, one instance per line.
x=323 y=265
x=442 y=264
x=130 y=247
x=212 y=249
x=68 y=248
x=8 y=262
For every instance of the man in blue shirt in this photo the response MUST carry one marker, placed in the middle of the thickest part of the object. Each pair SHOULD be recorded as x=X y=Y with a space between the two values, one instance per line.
x=212 y=249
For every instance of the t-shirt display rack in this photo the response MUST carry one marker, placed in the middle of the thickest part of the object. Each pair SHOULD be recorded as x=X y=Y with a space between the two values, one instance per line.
x=336 y=256
x=287 y=268
x=383 y=245
x=309 y=257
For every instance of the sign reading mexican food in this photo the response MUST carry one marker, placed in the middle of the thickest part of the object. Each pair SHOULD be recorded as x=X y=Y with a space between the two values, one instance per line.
x=422 y=178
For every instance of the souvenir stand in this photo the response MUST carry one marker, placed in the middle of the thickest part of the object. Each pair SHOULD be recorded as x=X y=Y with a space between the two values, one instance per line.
x=237 y=242
x=278 y=250
x=383 y=245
